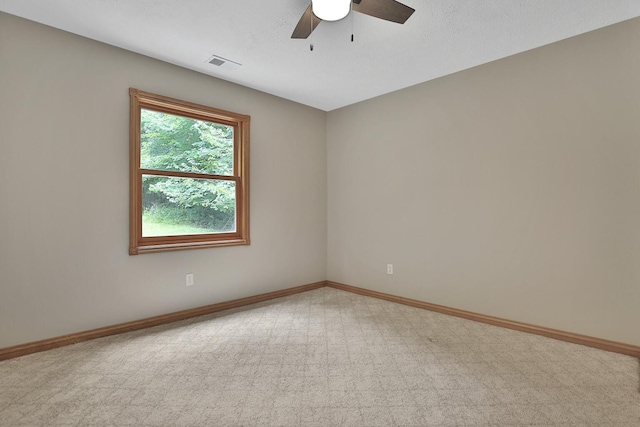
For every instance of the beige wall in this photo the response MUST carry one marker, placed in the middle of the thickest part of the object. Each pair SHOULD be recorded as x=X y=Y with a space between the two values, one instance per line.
x=511 y=189
x=64 y=120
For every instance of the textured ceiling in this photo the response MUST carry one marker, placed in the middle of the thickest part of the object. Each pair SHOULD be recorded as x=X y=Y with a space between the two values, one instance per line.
x=442 y=37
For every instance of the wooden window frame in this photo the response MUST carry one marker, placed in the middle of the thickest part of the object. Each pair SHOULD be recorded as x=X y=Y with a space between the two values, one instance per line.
x=241 y=124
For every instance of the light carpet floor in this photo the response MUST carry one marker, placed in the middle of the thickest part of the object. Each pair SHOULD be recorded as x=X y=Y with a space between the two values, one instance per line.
x=322 y=358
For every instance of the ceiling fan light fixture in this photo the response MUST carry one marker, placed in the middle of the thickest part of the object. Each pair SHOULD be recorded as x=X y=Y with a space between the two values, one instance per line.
x=331 y=10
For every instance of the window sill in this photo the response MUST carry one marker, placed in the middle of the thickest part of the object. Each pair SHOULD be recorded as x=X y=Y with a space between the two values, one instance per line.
x=185 y=246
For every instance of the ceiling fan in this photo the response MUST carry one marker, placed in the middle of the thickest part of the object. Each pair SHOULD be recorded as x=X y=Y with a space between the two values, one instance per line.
x=334 y=10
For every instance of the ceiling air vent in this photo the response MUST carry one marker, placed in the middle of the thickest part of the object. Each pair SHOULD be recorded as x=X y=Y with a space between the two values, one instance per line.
x=225 y=63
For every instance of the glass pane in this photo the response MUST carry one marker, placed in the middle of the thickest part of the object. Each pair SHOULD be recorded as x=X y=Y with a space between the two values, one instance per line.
x=175 y=143
x=178 y=206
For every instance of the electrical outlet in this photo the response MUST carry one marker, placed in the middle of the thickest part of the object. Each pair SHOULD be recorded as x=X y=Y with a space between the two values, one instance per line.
x=389 y=268
x=189 y=279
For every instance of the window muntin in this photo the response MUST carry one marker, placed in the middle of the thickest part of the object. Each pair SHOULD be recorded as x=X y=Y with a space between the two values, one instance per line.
x=189 y=175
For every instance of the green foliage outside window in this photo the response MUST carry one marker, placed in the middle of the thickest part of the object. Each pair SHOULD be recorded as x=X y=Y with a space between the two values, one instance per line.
x=176 y=205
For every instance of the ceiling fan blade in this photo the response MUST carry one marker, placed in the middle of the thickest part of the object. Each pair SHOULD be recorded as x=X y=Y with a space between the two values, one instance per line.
x=389 y=10
x=308 y=22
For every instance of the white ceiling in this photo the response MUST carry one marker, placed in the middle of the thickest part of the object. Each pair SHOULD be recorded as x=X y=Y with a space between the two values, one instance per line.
x=442 y=37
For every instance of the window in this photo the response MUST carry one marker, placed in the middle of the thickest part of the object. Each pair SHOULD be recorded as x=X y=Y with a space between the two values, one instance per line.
x=189 y=175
